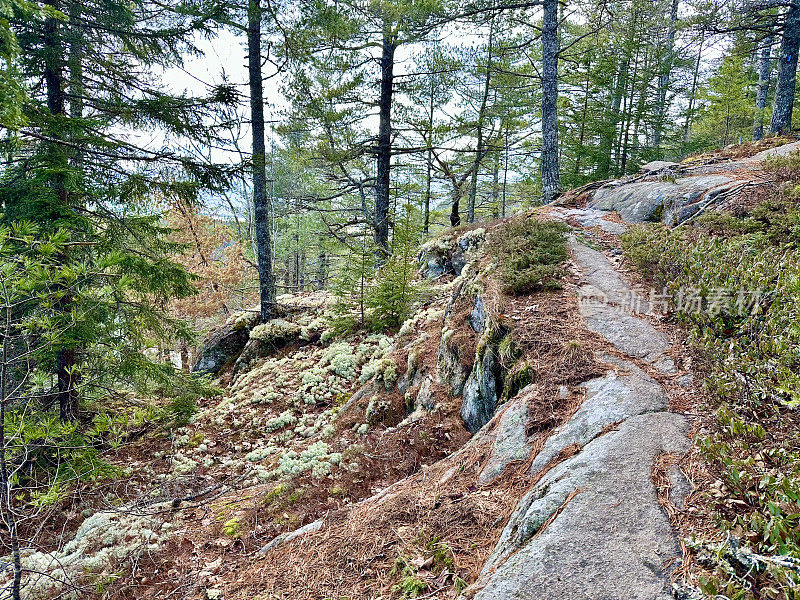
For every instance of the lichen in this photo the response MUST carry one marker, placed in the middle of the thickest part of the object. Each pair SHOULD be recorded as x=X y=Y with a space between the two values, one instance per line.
x=275 y=332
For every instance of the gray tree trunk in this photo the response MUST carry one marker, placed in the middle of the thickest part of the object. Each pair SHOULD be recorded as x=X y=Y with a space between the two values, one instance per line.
x=550 y=49
x=384 y=151
x=764 y=76
x=427 y=208
x=687 y=127
x=664 y=77
x=261 y=207
x=480 y=150
x=787 y=72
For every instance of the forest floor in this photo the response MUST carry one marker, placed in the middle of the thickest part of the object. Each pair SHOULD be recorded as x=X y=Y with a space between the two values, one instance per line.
x=390 y=498
x=399 y=500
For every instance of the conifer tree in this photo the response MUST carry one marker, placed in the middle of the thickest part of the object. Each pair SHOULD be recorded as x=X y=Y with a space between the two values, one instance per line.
x=71 y=166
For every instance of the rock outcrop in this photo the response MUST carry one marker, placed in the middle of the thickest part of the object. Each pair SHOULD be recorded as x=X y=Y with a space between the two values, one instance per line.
x=447 y=255
x=669 y=201
x=223 y=346
x=592 y=526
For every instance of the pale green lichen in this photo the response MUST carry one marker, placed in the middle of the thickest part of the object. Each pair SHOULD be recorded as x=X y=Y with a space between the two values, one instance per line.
x=275 y=331
x=384 y=371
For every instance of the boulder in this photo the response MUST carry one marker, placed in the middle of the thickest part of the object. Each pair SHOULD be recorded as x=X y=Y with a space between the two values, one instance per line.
x=660 y=165
x=267 y=339
x=671 y=202
x=221 y=348
x=447 y=255
x=477 y=317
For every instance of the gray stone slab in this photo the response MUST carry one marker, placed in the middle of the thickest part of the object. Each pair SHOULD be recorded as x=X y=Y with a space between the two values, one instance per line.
x=511 y=442
x=615 y=397
x=609 y=305
x=669 y=201
x=610 y=539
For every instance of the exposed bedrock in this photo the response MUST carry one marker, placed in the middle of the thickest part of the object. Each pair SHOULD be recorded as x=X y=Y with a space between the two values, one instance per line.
x=592 y=527
x=670 y=201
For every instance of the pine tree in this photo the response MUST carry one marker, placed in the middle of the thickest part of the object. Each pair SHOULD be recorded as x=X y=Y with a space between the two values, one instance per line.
x=727 y=112
x=396 y=289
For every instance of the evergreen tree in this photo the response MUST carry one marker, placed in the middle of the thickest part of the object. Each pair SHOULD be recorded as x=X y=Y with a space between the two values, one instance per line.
x=73 y=167
x=727 y=109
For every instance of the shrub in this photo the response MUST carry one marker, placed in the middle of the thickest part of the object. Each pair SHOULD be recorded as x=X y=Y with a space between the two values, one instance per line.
x=530 y=255
x=754 y=361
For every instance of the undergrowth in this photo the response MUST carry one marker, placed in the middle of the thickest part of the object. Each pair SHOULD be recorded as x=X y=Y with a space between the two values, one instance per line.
x=736 y=282
x=530 y=255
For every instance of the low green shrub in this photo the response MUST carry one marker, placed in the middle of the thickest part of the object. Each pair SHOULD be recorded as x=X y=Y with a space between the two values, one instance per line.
x=531 y=254
x=753 y=353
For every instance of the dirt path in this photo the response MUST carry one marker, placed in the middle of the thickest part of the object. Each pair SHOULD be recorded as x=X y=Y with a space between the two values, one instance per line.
x=592 y=527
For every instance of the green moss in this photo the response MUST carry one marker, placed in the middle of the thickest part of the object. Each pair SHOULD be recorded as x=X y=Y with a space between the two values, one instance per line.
x=275 y=494
x=410 y=586
x=516 y=379
x=195 y=440
x=657 y=215
x=232 y=528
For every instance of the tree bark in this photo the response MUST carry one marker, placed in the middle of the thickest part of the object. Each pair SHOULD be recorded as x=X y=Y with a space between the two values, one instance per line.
x=384 y=150
x=496 y=186
x=787 y=72
x=627 y=117
x=66 y=358
x=427 y=208
x=664 y=77
x=479 y=147
x=550 y=49
x=687 y=127
x=505 y=176
x=455 y=216
x=322 y=270
x=261 y=209
x=764 y=76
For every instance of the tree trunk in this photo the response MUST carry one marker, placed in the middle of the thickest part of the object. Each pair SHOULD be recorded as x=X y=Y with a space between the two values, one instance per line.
x=479 y=146
x=549 y=163
x=496 y=185
x=610 y=130
x=764 y=75
x=427 y=209
x=66 y=359
x=260 y=200
x=301 y=276
x=787 y=72
x=455 y=216
x=185 y=357
x=581 y=138
x=6 y=488
x=384 y=151
x=687 y=127
x=505 y=176
x=628 y=116
x=663 y=79
x=322 y=270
